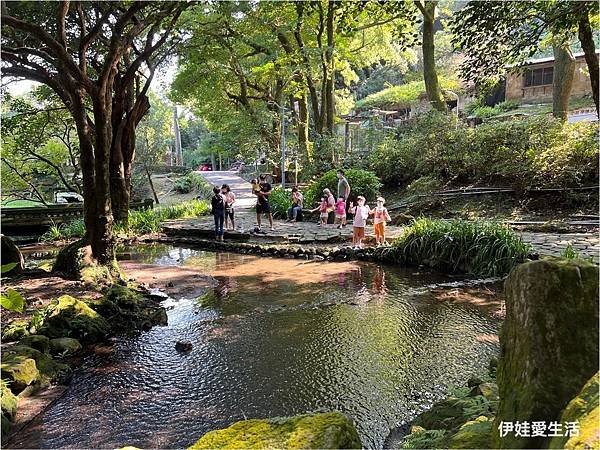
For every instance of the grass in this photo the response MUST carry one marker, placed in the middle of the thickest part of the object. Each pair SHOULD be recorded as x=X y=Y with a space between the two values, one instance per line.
x=11 y=203
x=140 y=221
x=456 y=246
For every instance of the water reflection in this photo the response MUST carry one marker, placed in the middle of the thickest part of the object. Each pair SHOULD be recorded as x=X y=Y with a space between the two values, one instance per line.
x=282 y=337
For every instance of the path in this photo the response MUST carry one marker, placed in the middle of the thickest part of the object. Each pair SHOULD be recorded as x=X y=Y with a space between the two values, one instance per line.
x=587 y=244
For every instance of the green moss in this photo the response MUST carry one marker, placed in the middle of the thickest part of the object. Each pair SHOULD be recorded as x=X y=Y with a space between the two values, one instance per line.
x=123 y=296
x=75 y=261
x=36 y=341
x=208 y=300
x=15 y=330
x=20 y=370
x=9 y=407
x=452 y=412
x=326 y=430
x=425 y=439
x=69 y=317
x=584 y=408
x=548 y=342
x=59 y=346
x=46 y=369
x=473 y=434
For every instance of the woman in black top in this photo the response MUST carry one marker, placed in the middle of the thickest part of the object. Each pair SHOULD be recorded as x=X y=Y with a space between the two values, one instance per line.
x=217 y=203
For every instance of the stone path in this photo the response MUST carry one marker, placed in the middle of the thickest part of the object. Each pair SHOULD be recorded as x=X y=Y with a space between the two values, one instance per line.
x=552 y=244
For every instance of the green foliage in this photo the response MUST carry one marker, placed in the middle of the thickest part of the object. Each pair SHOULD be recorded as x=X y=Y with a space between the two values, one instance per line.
x=280 y=200
x=362 y=182
x=528 y=152
x=68 y=230
x=12 y=300
x=482 y=111
x=570 y=252
x=425 y=439
x=405 y=94
x=193 y=182
x=477 y=248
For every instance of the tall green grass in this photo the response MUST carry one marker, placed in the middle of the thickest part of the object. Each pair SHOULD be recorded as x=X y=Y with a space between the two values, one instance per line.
x=456 y=246
x=140 y=221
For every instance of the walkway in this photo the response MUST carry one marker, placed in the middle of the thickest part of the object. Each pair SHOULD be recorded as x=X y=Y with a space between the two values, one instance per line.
x=551 y=244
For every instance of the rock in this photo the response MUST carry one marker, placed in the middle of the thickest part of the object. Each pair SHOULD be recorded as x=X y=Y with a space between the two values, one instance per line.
x=25 y=365
x=473 y=434
x=584 y=408
x=183 y=346
x=15 y=330
x=123 y=296
x=474 y=381
x=548 y=342
x=36 y=341
x=425 y=439
x=20 y=370
x=453 y=412
x=65 y=345
x=489 y=391
x=9 y=408
x=10 y=254
x=69 y=317
x=76 y=262
x=331 y=430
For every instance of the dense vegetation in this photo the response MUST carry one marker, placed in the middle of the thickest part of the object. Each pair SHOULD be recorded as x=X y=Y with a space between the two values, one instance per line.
x=362 y=182
x=529 y=152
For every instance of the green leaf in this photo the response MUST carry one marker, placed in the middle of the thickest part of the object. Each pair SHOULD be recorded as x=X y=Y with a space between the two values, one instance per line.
x=4 y=268
x=12 y=300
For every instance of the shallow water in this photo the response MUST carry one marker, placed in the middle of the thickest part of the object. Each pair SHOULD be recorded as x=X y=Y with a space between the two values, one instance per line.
x=282 y=337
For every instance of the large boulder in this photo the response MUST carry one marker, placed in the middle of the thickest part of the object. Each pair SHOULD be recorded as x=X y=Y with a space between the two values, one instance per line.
x=10 y=254
x=548 y=343
x=583 y=409
x=70 y=317
x=475 y=433
x=452 y=412
x=326 y=430
x=64 y=346
x=36 y=341
x=9 y=407
x=24 y=365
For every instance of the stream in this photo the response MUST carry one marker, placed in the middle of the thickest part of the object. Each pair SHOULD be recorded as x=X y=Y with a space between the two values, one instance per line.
x=277 y=337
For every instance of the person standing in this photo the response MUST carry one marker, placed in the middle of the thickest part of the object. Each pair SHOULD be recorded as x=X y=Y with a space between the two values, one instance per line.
x=229 y=201
x=217 y=203
x=381 y=216
x=297 y=203
x=330 y=205
x=343 y=189
x=361 y=214
x=262 y=204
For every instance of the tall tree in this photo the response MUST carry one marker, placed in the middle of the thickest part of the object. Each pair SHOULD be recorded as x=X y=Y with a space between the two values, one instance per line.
x=100 y=59
x=564 y=72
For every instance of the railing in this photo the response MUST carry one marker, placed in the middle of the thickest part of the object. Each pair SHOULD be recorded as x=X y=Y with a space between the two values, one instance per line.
x=52 y=214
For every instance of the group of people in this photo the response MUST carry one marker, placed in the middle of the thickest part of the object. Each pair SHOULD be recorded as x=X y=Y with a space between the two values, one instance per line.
x=224 y=199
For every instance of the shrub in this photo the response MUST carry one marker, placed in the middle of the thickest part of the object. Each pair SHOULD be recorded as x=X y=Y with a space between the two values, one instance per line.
x=280 y=200
x=193 y=182
x=68 y=230
x=362 y=182
x=477 y=248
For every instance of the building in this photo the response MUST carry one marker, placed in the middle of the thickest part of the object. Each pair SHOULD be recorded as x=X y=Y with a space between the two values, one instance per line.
x=534 y=83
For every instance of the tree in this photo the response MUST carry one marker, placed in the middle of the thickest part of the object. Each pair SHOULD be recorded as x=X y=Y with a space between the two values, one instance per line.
x=99 y=58
x=564 y=72
x=498 y=34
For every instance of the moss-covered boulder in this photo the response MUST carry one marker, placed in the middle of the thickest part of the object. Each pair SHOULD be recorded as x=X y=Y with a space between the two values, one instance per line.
x=9 y=407
x=15 y=330
x=548 y=343
x=64 y=346
x=76 y=262
x=70 y=317
x=421 y=438
x=326 y=430
x=473 y=434
x=455 y=411
x=36 y=341
x=584 y=408
x=10 y=254
x=17 y=366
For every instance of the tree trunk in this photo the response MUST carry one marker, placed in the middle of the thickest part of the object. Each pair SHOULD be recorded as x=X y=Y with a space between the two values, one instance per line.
x=586 y=37
x=329 y=87
x=564 y=72
x=432 y=85
x=304 y=145
x=151 y=185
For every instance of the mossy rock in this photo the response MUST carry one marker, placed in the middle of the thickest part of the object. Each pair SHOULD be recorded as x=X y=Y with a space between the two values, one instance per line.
x=70 y=317
x=548 y=342
x=64 y=346
x=422 y=438
x=10 y=254
x=327 y=430
x=9 y=407
x=473 y=434
x=208 y=300
x=123 y=296
x=15 y=330
x=16 y=366
x=453 y=412
x=585 y=409
x=36 y=341
x=76 y=262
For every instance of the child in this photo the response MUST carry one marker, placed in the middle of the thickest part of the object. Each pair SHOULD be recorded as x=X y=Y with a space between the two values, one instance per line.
x=361 y=213
x=255 y=186
x=322 y=208
x=340 y=212
x=217 y=203
x=381 y=216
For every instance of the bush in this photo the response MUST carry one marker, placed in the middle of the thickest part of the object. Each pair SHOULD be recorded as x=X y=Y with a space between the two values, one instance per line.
x=69 y=230
x=528 y=152
x=362 y=182
x=481 y=249
x=193 y=182
x=280 y=200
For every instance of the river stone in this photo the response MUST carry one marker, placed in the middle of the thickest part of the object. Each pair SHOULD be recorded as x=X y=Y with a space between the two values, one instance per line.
x=64 y=345
x=585 y=410
x=331 y=430
x=473 y=434
x=10 y=254
x=47 y=369
x=37 y=341
x=20 y=370
x=548 y=342
x=9 y=408
x=183 y=346
x=69 y=317
x=453 y=412
x=15 y=330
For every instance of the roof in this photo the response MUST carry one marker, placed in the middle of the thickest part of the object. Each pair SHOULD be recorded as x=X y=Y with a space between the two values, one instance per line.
x=532 y=62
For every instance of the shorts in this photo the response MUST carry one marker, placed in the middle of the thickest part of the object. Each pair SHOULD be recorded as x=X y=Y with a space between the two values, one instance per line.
x=340 y=216
x=380 y=229
x=229 y=213
x=263 y=208
x=359 y=232
x=324 y=215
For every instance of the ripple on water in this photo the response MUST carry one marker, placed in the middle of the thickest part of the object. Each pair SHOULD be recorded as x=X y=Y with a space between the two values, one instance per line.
x=376 y=349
